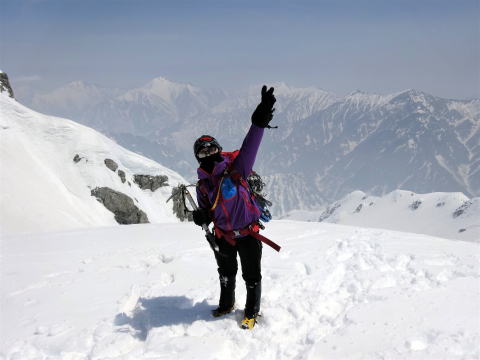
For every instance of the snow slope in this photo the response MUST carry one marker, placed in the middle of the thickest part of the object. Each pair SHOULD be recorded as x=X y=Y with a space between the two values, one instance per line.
x=43 y=189
x=447 y=215
x=145 y=292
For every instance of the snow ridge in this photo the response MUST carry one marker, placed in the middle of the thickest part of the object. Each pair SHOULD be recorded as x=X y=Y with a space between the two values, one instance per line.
x=48 y=190
x=447 y=215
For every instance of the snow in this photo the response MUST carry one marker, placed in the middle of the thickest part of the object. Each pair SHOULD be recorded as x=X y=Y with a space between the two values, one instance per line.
x=76 y=285
x=162 y=88
x=48 y=191
x=145 y=292
x=401 y=210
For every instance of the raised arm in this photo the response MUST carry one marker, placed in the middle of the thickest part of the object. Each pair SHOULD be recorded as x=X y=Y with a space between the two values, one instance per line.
x=248 y=152
x=261 y=117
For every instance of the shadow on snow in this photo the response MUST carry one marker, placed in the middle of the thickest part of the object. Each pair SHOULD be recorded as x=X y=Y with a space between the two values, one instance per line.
x=162 y=311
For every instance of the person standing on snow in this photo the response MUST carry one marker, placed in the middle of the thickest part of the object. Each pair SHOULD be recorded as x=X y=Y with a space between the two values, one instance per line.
x=224 y=199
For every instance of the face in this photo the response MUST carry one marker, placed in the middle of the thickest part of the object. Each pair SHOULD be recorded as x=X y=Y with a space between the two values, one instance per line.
x=207 y=151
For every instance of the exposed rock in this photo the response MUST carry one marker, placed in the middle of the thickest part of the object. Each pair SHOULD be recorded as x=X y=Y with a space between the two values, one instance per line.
x=77 y=158
x=112 y=165
x=460 y=210
x=5 y=85
x=121 y=174
x=150 y=182
x=359 y=208
x=415 y=205
x=122 y=206
x=330 y=210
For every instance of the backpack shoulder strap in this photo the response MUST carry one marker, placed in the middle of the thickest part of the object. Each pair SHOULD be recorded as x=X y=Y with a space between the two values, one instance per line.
x=218 y=194
x=202 y=187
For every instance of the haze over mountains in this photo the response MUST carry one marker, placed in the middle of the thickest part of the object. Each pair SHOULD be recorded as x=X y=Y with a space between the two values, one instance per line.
x=325 y=147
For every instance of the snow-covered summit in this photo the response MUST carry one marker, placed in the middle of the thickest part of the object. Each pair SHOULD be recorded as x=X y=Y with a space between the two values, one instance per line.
x=316 y=97
x=162 y=88
x=361 y=98
x=51 y=165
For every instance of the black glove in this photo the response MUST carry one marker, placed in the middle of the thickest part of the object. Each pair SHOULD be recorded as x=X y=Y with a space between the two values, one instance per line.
x=201 y=216
x=263 y=114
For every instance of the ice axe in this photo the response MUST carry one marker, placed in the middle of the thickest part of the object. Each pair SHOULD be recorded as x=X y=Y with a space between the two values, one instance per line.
x=183 y=191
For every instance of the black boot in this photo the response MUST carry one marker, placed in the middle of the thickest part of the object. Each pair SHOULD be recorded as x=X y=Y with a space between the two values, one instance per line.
x=227 y=296
x=254 y=294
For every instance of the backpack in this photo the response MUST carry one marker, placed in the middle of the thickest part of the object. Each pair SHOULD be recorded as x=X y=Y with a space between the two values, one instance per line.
x=254 y=185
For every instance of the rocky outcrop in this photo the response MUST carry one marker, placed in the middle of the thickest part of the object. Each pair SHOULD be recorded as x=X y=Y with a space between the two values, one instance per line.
x=112 y=165
x=121 y=175
x=122 y=206
x=459 y=211
x=5 y=85
x=150 y=182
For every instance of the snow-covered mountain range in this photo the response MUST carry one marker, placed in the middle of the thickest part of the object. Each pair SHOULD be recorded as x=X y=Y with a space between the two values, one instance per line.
x=447 y=215
x=57 y=174
x=326 y=146
x=68 y=161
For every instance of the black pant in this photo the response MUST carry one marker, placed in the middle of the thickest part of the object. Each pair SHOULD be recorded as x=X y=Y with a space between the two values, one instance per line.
x=250 y=251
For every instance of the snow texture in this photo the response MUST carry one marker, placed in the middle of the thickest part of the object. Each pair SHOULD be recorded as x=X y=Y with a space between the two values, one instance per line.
x=44 y=189
x=146 y=291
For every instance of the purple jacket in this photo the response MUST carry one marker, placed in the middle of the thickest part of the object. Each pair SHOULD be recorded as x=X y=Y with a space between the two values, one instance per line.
x=239 y=210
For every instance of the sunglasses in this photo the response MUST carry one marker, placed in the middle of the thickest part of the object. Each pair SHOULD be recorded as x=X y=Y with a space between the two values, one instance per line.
x=207 y=151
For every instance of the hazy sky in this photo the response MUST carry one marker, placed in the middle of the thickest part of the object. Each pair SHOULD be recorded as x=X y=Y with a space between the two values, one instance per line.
x=376 y=46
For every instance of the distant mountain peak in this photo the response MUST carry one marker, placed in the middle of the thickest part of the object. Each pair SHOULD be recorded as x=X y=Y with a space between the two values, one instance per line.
x=359 y=97
x=284 y=89
x=163 y=88
x=412 y=93
x=357 y=92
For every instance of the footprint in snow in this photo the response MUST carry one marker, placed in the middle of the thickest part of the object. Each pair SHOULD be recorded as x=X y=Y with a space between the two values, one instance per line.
x=166 y=259
x=303 y=268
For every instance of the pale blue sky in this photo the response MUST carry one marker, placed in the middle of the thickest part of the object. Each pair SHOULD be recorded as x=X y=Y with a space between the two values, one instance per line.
x=376 y=46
